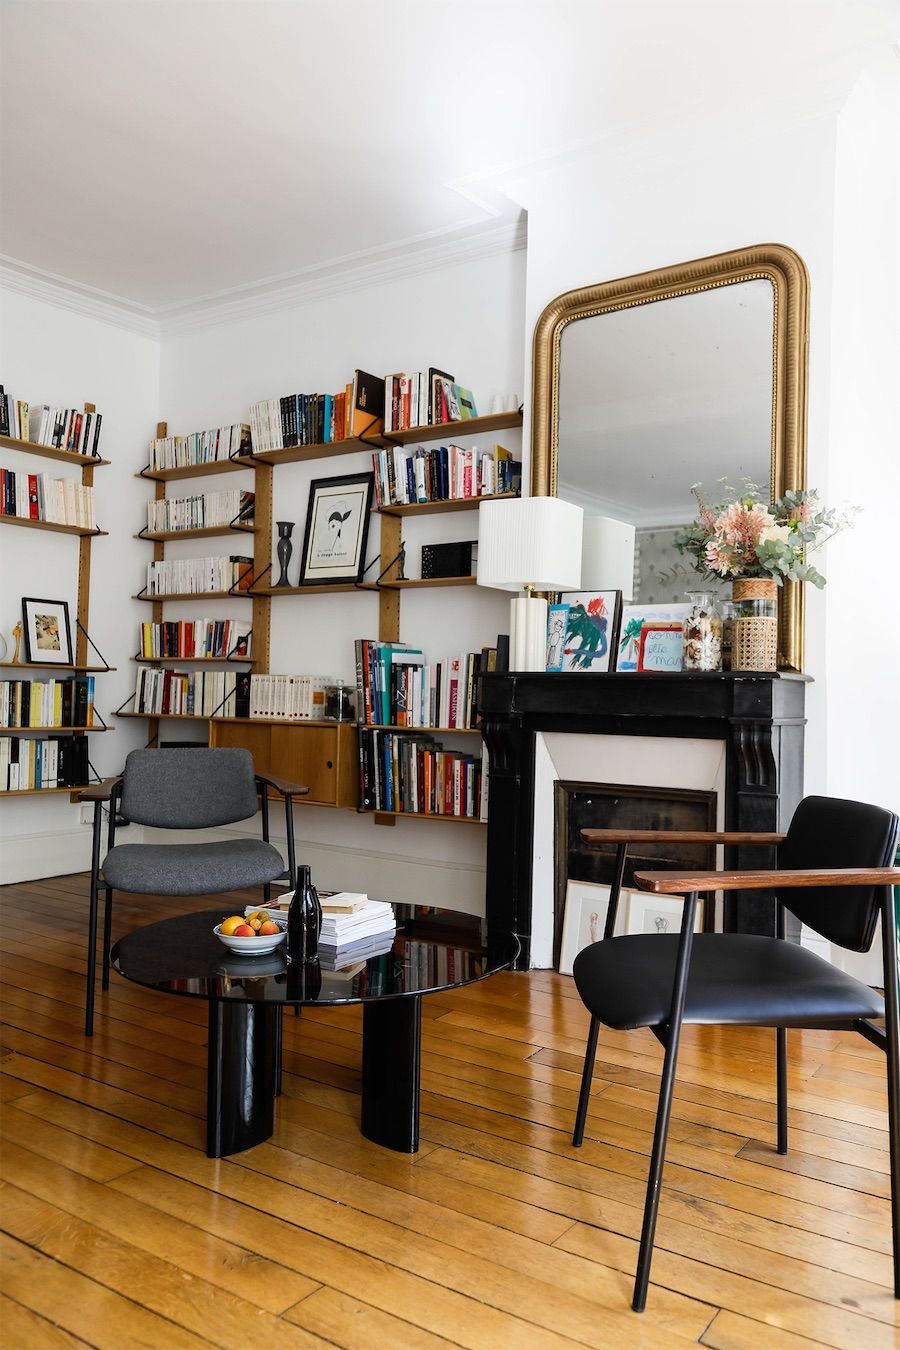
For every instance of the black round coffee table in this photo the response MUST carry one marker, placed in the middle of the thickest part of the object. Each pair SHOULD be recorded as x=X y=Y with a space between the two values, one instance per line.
x=247 y=995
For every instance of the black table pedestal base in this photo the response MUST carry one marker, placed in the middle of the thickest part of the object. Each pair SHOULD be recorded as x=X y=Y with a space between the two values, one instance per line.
x=392 y=1039
x=242 y=1063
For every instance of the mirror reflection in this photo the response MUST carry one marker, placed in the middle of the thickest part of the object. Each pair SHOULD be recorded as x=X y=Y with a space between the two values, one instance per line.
x=657 y=397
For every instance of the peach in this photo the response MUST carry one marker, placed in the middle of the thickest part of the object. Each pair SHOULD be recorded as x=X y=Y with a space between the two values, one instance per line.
x=243 y=930
x=268 y=928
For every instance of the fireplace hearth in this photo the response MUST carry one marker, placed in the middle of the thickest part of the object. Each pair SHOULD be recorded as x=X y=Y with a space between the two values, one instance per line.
x=757 y=719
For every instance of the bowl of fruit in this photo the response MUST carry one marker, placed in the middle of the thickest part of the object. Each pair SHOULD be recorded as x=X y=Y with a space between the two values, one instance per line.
x=251 y=935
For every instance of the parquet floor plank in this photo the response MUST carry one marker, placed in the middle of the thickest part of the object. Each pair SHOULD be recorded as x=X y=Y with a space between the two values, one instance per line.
x=116 y=1230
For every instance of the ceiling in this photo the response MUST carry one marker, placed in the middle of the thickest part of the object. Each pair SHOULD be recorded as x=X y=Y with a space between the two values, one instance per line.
x=162 y=154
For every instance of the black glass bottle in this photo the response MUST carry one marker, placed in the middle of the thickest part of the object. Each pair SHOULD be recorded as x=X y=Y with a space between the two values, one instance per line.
x=304 y=919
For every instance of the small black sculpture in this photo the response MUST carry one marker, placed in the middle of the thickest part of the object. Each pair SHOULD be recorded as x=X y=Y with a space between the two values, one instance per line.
x=284 y=549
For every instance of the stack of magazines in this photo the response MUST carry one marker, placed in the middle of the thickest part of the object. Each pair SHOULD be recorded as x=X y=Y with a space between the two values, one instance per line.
x=354 y=928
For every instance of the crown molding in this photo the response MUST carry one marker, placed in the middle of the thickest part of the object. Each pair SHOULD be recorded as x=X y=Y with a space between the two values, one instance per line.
x=406 y=259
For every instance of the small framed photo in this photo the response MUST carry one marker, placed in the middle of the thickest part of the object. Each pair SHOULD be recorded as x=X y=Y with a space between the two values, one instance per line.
x=584 y=921
x=661 y=647
x=582 y=630
x=651 y=914
x=337 y=527
x=628 y=648
x=48 y=640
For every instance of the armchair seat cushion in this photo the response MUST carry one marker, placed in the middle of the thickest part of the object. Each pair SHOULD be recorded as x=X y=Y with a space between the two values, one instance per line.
x=191 y=869
x=734 y=979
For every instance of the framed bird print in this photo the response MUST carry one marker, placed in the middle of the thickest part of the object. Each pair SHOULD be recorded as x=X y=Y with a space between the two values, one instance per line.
x=337 y=527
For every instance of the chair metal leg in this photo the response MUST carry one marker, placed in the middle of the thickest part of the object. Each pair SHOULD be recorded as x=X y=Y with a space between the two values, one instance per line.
x=664 y=1110
x=892 y=1046
x=92 y=923
x=584 y=1095
x=264 y=812
x=781 y=1071
x=279 y=1031
x=107 y=934
x=289 y=831
x=615 y=889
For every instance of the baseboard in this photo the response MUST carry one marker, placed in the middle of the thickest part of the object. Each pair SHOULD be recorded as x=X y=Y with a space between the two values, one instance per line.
x=411 y=881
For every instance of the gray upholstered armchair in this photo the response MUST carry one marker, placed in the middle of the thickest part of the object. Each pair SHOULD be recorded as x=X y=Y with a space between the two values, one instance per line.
x=182 y=789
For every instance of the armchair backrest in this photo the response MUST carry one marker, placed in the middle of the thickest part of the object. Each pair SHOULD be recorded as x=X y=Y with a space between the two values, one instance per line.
x=830 y=832
x=186 y=789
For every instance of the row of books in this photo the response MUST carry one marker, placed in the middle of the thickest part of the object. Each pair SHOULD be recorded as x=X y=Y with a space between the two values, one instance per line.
x=47 y=703
x=201 y=512
x=200 y=447
x=202 y=693
x=425 y=398
x=396 y=687
x=29 y=762
x=415 y=774
x=443 y=473
x=294 y=698
x=318 y=419
x=37 y=496
x=432 y=963
x=57 y=428
x=196 y=639
x=197 y=576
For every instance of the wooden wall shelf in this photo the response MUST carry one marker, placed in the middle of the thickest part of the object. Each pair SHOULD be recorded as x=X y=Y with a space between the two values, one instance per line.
x=423 y=815
x=439 y=507
x=208 y=532
x=196 y=595
x=193 y=660
x=51 y=452
x=15 y=731
x=44 y=792
x=295 y=454
x=422 y=583
x=51 y=525
x=417 y=731
x=475 y=426
x=273 y=592
x=39 y=665
x=195 y=470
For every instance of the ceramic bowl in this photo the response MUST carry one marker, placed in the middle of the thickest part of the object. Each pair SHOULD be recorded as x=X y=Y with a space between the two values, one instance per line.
x=255 y=946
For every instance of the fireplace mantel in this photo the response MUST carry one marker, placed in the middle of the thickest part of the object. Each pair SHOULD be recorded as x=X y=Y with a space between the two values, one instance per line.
x=759 y=718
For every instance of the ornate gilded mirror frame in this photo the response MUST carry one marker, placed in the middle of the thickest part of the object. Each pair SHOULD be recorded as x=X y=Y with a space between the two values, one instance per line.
x=790 y=284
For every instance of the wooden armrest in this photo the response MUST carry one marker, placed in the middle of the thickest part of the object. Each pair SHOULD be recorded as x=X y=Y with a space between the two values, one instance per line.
x=680 y=837
x=282 y=785
x=100 y=792
x=680 y=883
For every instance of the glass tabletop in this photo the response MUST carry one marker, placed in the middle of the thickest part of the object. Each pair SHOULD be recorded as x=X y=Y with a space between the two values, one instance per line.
x=432 y=949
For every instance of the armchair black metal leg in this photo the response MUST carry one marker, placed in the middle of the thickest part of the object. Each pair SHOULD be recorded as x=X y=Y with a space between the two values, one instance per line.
x=107 y=934
x=664 y=1110
x=289 y=831
x=781 y=1069
x=264 y=812
x=892 y=1046
x=279 y=1031
x=584 y=1095
x=92 y=923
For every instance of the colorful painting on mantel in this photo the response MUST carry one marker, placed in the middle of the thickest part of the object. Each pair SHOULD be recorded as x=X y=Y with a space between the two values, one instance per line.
x=582 y=630
x=633 y=619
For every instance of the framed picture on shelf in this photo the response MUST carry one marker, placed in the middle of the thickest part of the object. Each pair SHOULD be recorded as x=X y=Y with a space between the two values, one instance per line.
x=634 y=617
x=48 y=639
x=585 y=919
x=661 y=647
x=582 y=630
x=337 y=527
x=651 y=914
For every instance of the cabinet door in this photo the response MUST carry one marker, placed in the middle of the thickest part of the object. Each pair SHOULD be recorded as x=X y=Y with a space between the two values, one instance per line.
x=307 y=755
x=245 y=736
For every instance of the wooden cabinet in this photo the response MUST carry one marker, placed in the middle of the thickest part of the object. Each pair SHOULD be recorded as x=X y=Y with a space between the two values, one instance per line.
x=322 y=755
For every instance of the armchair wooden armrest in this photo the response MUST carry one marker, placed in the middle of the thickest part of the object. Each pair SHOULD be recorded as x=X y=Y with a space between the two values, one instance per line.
x=681 y=837
x=282 y=785
x=682 y=883
x=100 y=792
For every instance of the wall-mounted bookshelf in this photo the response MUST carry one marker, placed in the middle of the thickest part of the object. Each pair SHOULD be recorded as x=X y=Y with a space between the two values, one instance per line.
x=81 y=665
x=213 y=466
x=442 y=507
x=439 y=431
x=208 y=532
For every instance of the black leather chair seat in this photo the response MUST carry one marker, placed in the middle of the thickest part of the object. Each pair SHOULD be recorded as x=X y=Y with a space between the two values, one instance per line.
x=735 y=979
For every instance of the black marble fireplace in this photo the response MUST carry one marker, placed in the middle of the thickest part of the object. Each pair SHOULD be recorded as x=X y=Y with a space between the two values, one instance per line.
x=759 y=718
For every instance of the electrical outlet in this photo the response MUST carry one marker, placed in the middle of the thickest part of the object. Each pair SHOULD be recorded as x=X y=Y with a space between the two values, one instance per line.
x=87 y=813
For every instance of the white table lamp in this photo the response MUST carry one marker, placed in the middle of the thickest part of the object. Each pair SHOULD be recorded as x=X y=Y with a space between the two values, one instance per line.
x=533 y=544
x=607 y=556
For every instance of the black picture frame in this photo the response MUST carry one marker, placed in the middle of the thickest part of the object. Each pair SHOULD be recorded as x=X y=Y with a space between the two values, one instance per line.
x=337 y=530
x=35 y=627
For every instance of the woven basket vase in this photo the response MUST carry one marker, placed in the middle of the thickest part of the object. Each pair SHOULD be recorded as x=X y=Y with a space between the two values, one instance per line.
x=755 y=637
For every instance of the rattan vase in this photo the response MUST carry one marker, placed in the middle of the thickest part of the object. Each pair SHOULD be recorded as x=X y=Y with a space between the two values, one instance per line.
x=755 y=631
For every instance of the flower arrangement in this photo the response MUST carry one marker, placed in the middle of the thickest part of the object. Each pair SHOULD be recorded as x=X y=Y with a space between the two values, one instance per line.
x=743 y=536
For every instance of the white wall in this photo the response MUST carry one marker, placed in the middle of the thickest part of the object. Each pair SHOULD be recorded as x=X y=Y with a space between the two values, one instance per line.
x=52 y=355
x=468 y=319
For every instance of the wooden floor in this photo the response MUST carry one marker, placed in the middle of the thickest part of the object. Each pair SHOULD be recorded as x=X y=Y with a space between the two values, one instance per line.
x=117 y=1231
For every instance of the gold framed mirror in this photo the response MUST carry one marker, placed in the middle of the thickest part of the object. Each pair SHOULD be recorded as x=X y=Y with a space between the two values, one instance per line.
x=631 y=410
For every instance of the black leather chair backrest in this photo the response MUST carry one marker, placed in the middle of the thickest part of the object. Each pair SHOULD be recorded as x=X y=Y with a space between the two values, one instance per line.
x=182 y=789
x=830 y=832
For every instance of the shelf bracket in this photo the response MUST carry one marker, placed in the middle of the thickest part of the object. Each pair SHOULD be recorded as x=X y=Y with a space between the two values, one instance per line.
x=249 y=588
x=81 y=628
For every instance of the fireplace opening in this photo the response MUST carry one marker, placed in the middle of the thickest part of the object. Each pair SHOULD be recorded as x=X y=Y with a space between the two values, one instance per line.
x=608 y=806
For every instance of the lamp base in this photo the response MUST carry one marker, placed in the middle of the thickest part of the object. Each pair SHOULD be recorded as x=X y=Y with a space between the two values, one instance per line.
x=528 y=633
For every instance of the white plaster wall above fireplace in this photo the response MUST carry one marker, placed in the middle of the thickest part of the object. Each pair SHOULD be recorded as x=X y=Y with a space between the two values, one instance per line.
x=642 y=761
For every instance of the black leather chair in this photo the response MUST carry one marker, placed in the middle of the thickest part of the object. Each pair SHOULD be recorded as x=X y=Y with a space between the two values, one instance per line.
x=182 y=789
x=834 y=873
